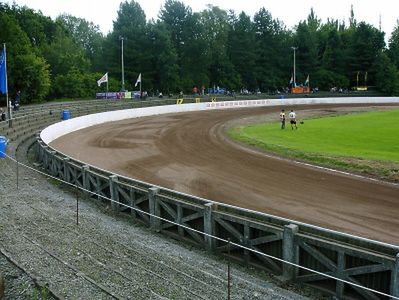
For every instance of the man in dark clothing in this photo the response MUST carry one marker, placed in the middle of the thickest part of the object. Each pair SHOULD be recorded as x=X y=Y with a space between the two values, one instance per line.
x=2 y=115
x=17 y=101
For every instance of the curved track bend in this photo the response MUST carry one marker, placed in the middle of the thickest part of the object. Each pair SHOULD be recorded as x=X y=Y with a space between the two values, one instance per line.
x=188 y=152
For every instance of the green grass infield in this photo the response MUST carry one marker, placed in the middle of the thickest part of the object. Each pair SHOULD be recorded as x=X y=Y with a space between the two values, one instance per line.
x=361 y=142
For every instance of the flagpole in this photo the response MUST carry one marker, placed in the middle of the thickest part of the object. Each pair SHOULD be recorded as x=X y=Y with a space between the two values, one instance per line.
x=106 y=93
x=8 y=104
x=140 y=87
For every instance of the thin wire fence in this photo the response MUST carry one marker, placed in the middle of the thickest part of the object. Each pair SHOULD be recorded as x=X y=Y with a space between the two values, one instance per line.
x=203 y=233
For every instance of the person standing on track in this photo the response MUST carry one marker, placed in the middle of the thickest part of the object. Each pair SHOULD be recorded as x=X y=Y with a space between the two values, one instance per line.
x=282 y=118
x=292 y=117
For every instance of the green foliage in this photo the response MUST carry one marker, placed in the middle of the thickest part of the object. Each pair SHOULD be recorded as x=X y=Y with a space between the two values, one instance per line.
x=387 y=75
x=26 y=71
x=86 y=35
x=33 y=74
x=273 y=53
x=182 y=49
x=76 y=84
x=393 y=51
x=325 y=80
x=241 y=49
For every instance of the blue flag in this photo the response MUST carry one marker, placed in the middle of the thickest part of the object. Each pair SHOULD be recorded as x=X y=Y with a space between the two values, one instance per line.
x=3 y=74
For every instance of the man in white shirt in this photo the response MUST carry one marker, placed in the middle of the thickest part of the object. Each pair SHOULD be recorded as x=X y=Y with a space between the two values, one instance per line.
x=282 y=118
x=292 y=117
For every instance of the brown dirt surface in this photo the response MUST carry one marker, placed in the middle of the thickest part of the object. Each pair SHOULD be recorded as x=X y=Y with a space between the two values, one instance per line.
x=190 y=153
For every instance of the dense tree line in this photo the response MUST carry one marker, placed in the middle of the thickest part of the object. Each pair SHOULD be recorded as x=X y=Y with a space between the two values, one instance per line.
x=182 y=49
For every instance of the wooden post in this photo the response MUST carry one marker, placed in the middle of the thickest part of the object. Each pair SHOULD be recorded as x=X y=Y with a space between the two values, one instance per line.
x=85 y=177
x=155 y=210
x=290 y=251
x=66 y=176
x=339 y=290
x=395 y=278
x=209 y=227
x=113 y=179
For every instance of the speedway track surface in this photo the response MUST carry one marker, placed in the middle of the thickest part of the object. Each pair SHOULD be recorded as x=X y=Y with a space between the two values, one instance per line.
x=189 y=152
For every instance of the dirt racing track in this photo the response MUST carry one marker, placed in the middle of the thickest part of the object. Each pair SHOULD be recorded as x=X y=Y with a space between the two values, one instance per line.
x=190 y=153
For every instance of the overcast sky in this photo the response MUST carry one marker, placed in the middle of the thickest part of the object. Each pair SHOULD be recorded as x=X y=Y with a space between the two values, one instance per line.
x=290 y=12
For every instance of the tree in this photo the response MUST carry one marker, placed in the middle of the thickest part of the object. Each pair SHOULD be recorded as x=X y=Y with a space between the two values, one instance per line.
x=273 y=52
x=131 y=25
x=332 y=57
x=189 y=42
x=386 y=75
x=175 y=15
x=184 y=49
x=216 y=29
x=393 y=52
x=307 y=40
x=87 y=36
x=164 y=69
x=26 y=71
x=365 y=44
x=242 y=50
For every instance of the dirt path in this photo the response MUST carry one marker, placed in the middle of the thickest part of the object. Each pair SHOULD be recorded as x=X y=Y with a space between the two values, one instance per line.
x=188 y=152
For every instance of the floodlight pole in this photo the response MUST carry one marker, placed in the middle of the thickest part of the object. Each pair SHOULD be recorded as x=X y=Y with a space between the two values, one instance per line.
x=123 y=69
x=294 y=48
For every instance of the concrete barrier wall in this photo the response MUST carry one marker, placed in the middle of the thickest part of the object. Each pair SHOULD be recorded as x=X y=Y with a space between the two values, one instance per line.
x=56 y=130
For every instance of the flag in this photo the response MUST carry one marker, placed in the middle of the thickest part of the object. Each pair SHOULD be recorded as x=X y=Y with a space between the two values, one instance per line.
x=103 y=79
x=138 y=80
x=307 y=80
x=3 y=72
x=292 y=79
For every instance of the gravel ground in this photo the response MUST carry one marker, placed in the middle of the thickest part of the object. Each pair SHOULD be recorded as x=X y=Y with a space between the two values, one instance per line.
x=106 y=256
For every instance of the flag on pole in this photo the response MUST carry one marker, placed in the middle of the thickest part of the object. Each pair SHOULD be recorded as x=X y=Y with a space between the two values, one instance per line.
x=103 y=79
x=292 y=80
x=138 y=80
x=307 y=80
x=3 y=72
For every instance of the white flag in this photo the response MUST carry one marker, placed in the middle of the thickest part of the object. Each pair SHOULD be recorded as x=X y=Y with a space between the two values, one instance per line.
x=307 y=81
x=138 y=80
x=103 y=79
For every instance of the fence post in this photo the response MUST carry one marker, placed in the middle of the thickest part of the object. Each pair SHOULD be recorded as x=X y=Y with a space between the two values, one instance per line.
x=53 y=167
x=395 y=278
x=66 y=161
x=45 y=157
x=246 y=242
x=209 y=227
x=113 y=180
x=155 y=210
x=40 y=148
x=290 y=251
x=85 y=178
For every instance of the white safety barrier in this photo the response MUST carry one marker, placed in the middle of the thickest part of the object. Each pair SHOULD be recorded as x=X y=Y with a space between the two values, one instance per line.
x=59 y=129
